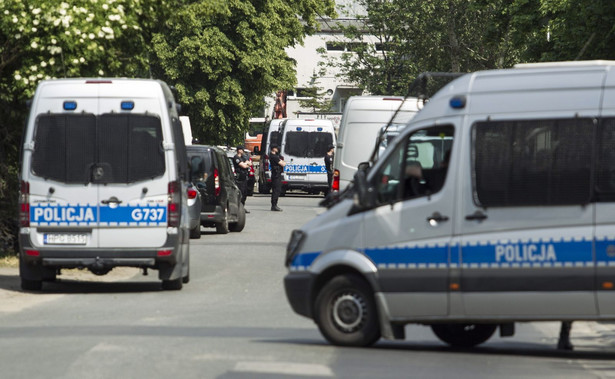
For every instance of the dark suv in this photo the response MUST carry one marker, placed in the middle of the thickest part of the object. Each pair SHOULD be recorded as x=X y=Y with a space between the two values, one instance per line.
x=212 y=175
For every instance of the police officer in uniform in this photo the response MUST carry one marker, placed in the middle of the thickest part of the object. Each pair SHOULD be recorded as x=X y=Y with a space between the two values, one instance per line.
x=329 y=167
x=277 y=168
x=242 y=165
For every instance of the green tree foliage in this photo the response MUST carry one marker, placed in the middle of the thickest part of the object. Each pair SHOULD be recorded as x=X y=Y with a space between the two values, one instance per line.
x=428 y=35
x=225 y=57
x=557 y=30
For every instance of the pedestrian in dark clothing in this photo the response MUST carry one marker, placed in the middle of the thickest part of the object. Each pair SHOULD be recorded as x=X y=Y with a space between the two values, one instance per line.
x=242 y=165
x=564 y=336
x=277 y=168
x=329 y=167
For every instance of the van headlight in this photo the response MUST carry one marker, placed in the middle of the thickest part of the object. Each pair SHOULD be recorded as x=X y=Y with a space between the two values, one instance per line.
x=294 y=245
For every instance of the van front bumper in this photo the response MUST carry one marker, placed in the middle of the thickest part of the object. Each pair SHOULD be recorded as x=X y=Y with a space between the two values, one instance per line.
x=298 y=287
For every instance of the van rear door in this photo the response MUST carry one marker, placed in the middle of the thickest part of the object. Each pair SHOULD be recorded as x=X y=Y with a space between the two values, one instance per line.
x=132 y=172
x=63 y=201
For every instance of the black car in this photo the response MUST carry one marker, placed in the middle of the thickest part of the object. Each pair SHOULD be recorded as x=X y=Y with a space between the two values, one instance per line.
x=212 y=175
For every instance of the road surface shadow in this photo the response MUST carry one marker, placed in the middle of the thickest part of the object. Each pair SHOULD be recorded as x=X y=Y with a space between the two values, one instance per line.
x=512 y=348
x=62 y=285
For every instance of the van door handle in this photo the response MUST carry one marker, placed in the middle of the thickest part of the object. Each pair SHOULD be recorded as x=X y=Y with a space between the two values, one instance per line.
x=478 y=215
x=112 y=200
x=436 y=218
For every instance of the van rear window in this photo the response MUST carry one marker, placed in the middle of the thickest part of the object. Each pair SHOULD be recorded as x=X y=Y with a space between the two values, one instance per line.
x=533 y=162
x=123 y=148
x=64 y=147
x=307 y=144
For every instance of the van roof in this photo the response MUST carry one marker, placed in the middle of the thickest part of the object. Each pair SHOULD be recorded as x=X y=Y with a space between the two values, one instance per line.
x=309 y=122
x=130 y=88
x=528 y=89
x=565 y=64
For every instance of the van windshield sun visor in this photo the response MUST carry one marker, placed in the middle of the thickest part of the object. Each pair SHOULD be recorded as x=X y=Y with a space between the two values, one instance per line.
x=110 y=148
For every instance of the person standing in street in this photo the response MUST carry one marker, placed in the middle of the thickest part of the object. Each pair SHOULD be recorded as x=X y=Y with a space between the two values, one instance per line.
x=277 y=168
x=329 y=167
x=242 y=165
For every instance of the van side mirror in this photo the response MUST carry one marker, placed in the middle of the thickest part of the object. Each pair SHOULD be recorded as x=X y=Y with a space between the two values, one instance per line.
x=365 y=194
x=364 y=166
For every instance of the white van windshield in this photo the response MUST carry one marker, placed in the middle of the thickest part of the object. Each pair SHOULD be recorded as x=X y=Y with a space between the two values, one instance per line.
x=119 y=148
x=307 y=144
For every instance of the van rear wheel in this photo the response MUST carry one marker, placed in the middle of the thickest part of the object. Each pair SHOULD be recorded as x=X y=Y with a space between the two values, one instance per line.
x=345 y=312
x=241 y=220
x=464 y=335
x=222 y=227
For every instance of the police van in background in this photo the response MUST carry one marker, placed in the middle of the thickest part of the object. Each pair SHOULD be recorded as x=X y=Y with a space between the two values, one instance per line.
x=271 y=136
x=510 y=218
x=304 y=146
x=362 y=120
x=103 y=181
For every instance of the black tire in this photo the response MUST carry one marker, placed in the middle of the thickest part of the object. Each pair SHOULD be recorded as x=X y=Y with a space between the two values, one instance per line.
x=26 y=271
x=464 y=335
x=345 y=312
x=31 y=285
x=222 y=227
x=241 y=220
x=195 y=233
x=172 y=285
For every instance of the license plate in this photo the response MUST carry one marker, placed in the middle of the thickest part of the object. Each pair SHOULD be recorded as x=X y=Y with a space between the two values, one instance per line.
x=296 y=177
x=65 y=239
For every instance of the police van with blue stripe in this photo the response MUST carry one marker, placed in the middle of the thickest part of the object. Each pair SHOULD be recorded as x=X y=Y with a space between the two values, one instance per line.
x=304 y=146
x=495 y=205
x=103 y=181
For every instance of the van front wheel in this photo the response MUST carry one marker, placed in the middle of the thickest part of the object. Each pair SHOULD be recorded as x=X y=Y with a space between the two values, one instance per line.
x=464 y=335
x=345 y=312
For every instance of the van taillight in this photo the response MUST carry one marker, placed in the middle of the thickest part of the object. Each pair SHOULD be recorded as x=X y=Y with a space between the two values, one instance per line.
x=335 y=185
x=191 y=193
x=174 y=205
x=266 y=162
x=24 y=204
x=216 y=182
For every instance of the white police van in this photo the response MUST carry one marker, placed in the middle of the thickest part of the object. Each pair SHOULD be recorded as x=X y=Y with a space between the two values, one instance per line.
x=103 y=173
x=304 y=145
x=363 y=118
x=511 y=218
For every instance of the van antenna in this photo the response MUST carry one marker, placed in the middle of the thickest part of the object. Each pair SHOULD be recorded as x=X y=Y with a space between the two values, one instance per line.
x=420 y=82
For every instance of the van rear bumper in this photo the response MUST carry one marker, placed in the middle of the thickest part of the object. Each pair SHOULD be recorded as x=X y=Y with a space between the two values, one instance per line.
x=97 y=258
x=305 y=186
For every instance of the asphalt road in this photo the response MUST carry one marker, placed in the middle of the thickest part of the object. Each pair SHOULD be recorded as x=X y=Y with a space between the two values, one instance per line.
x=233 y=321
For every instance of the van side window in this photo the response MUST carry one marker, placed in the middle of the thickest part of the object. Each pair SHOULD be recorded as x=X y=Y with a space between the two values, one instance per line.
x=533 y=162
x=605 y=164
x=417 y=167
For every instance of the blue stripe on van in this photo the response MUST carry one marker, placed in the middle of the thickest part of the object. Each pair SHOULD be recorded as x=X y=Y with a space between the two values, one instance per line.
x=77 y=214
x=534 y=254
x=304 y=169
